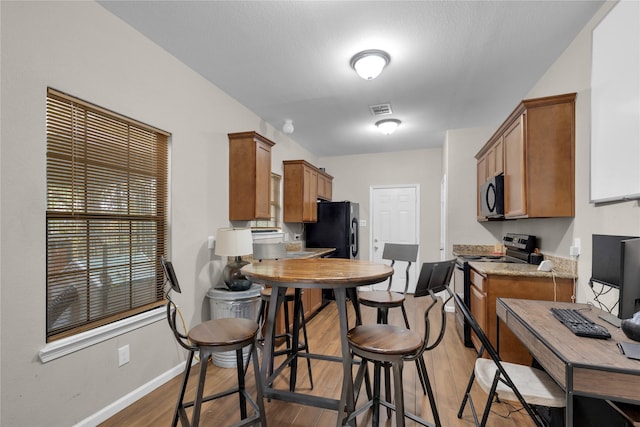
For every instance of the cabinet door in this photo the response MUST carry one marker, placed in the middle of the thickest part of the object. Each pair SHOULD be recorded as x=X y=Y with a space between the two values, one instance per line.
x=498 y=155
x=482 y=177
x=309 y=204
x=514 y=171
x=263 y=181
x=312 y=301
x=324 y=187
x=479 y=311
x=249 y=176
x=491 y=162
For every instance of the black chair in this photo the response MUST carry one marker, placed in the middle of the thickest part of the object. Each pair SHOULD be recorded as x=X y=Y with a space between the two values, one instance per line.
x=389 y=344
x=215 y=336
x=508 y=381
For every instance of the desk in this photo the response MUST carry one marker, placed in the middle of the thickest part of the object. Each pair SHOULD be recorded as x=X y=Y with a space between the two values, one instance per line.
x=581 y=366
x=340 y=275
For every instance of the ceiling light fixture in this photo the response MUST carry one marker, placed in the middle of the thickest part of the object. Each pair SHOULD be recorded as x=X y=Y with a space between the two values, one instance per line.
x=287 y=127
x=370 y=63
x=388 y=126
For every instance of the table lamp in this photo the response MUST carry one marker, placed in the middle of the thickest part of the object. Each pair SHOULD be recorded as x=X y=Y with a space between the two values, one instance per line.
x=234 y=242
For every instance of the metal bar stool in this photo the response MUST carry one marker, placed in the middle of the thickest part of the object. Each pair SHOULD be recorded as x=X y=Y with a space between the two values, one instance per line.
x=384 y=344
x=214 y=336
x=382 y=301
x=276 y=251
x=290 y=296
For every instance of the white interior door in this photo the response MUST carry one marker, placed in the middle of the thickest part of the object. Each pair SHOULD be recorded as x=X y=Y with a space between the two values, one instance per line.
x=394 y=219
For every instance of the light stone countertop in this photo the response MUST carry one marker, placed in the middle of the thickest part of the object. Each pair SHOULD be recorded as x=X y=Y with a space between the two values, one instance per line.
x=313 y=252
x=512 y=269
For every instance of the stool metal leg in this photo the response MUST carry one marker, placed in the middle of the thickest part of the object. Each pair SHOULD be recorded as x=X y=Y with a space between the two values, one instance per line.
x=197 y=404
x=258 y=378
x=242 y=400
x=306 y=345
x=180 y=412
x=398 y=392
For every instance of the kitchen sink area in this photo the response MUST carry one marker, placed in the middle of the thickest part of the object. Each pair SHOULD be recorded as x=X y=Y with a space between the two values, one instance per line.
x=299 y=254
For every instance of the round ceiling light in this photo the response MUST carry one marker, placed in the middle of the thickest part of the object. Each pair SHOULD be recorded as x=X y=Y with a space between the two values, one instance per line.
x=388 y=126
x=370 y=63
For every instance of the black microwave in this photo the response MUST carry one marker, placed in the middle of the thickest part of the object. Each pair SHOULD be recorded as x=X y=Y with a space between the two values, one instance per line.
x=492 y=197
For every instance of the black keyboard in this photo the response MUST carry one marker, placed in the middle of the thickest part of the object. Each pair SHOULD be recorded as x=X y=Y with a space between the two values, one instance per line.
x=579 y=324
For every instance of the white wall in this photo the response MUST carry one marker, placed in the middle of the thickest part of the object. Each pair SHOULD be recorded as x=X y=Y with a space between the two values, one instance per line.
x=354 y=176
x=81 y=49
x=570 y=73
x=461 y=145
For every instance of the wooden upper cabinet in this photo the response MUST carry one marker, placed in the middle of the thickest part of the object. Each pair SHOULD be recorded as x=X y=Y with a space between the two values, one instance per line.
x=325 y=186
x=496 y=159
x=537 y=145
x=514 y=173
x=300 y=191
x=249 y=176
x=482 y=177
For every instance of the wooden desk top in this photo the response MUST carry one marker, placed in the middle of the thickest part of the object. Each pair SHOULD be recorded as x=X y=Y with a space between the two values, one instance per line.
x=597 y=366
x=317 y=272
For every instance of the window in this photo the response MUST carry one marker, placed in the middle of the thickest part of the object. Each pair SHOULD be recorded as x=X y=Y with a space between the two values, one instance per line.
x=106 y=215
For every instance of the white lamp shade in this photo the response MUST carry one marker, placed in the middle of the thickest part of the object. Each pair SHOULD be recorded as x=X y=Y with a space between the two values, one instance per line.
x=388 y=126
x=234 y=242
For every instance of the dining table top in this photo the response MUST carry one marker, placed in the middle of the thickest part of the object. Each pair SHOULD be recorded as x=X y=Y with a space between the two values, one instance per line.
x=317 y=272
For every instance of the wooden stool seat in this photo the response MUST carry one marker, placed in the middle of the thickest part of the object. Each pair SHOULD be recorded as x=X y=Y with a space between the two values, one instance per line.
x=381 y=298
x=226 y=333
x=384 y=340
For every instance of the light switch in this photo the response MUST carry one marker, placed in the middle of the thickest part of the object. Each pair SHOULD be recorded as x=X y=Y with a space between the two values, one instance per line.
x=211 y=242
x=363 y=223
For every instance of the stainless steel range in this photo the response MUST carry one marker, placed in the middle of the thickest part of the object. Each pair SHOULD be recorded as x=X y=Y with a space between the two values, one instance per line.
x=519 y=249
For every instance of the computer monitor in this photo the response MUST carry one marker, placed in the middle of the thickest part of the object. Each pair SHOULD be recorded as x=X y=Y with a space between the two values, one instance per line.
x=606 y=260
x=629 y=300
x=170 y=273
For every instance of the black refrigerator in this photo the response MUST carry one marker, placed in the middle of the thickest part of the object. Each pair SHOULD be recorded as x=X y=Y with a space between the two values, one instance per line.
x=337 y=227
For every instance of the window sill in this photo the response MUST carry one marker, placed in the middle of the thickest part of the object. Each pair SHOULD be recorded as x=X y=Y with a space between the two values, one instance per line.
x=83 y=340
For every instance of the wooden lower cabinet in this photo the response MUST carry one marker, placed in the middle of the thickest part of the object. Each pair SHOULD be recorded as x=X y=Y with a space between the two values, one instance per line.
x=486 y=288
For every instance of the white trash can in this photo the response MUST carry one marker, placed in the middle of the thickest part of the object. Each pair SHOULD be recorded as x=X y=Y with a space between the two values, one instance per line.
x=224 y=303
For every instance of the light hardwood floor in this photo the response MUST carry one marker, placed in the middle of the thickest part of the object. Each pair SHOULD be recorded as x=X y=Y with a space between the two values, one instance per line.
x=449 y=366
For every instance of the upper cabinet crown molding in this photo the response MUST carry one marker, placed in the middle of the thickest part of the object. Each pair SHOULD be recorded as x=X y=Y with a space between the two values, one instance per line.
x=535 y=150
x=249 y=176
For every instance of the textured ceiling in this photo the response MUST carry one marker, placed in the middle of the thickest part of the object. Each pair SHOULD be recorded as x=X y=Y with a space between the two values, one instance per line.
x=454 y=64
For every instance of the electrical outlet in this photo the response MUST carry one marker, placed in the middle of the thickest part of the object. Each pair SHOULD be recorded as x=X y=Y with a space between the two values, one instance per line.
x=575 y=249
x=123 y=355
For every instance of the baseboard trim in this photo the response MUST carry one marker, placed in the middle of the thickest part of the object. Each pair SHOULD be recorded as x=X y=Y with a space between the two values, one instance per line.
x=117 y=406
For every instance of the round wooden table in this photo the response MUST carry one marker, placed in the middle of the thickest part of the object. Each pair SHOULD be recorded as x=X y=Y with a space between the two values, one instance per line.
x=337 y=274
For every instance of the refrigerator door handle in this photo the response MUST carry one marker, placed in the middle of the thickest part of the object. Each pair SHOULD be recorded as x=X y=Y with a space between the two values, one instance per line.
x=354 y=237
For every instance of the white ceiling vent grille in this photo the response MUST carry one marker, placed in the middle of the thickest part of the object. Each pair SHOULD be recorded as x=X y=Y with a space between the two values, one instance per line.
x=380 y=109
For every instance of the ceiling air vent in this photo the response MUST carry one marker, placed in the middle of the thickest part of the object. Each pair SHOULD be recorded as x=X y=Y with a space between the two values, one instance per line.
x=380 y=109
